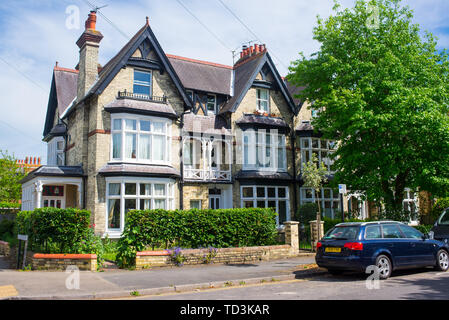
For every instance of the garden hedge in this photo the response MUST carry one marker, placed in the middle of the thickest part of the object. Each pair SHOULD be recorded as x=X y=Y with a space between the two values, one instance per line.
x=195 y=229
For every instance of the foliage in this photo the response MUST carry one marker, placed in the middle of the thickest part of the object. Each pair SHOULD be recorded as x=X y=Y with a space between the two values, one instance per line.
x=382 y=91
x=438 y=208
x=176 y=256
x=423 y=228
x=10 y=175
x=398 y=215
x=194 y=229
x=307 y=212
x=7 y=229
x=211 y=254
x=330 y=223
x=9 y=205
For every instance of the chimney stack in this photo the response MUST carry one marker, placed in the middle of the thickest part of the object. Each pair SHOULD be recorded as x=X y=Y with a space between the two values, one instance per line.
x=89 y=42
x=251 y=51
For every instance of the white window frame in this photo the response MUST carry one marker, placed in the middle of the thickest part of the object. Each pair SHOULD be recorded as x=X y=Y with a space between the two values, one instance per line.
x=258 y=100
x=215 y=103
x=309 y=150
x=53 y=153
x=266 y=198
x=274 y=146
x=199 y=203
x=409 y=198
x=168 y=138
x=333 y=198
x=143 y=84
x=169 y=197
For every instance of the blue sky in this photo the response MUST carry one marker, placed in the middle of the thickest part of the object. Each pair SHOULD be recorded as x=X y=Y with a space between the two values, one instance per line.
x=34 y=36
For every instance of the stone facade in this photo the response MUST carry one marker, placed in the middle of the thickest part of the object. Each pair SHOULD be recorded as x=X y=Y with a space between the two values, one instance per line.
x=84 y=262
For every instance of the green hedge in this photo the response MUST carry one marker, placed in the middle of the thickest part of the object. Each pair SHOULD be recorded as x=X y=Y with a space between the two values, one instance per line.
x=52 y=230
x=194 y=229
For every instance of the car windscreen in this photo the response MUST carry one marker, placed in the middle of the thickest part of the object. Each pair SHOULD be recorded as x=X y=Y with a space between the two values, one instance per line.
x=343 y=233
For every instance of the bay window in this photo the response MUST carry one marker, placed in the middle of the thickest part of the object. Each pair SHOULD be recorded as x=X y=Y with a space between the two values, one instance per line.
x=267 y=197
x=264 y=150
x=329 y=200
x=125 y=194
x=140 y=139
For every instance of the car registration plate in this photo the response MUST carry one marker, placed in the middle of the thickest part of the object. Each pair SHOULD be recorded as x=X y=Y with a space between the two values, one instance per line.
x=330 y=249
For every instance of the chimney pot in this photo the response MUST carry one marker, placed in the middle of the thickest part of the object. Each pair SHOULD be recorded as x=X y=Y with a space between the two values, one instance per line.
x=91 y=20
x=39 y=160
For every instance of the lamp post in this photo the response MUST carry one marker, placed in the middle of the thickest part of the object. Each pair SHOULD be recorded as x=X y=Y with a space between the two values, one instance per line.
x=342 y=190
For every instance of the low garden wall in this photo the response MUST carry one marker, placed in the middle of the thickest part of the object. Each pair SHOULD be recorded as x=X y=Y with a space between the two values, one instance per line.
x=62 y=261
x=147 y=259
x=4 y=248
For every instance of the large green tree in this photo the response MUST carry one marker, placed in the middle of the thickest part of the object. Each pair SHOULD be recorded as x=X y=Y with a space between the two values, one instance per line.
x=10 y=175
x=382 y=89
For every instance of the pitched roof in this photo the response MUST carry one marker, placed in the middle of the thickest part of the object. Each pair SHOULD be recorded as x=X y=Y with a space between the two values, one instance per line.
x=202 y=75
x=54 y=171
x=294 y=90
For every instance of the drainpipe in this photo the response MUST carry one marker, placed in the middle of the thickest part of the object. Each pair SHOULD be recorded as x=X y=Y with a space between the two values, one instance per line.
x=295 y=185
x=181 y=181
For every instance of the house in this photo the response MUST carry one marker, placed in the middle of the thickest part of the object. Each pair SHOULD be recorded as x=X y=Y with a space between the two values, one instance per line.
x=151 y=130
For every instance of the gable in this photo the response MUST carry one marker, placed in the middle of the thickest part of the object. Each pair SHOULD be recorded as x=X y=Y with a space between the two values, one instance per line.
x=143 y=50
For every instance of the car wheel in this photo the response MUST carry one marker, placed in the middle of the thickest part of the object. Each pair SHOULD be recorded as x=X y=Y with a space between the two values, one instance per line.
x=442 y=260
x=385 y=267
x=335 y=272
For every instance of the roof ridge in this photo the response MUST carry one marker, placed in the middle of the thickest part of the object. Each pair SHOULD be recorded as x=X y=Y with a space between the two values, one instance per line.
x=249 y=59
x=218 y=65
x=65 y=69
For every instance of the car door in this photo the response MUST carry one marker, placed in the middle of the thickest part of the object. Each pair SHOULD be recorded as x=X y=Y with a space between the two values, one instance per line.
x=396 y=243
x=422 y=250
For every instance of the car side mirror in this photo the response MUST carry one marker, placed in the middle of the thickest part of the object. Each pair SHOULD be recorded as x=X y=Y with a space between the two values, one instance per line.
x=425 y=236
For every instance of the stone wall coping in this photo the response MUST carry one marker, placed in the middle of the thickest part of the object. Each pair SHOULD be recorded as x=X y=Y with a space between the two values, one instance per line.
x=291 y=222
x=4 y=243
x=192 y=251
x=64 y=256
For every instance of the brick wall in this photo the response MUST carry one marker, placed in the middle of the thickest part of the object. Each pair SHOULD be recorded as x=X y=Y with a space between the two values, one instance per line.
x=147 y=259
x=62 y=261
x=4 y=248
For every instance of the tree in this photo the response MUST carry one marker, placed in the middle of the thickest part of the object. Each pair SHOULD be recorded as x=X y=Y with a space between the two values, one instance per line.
x=314 y=176
x=10 y=175
x=382 y=90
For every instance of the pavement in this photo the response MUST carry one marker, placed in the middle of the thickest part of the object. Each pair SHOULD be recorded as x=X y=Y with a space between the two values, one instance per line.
x=117 y=283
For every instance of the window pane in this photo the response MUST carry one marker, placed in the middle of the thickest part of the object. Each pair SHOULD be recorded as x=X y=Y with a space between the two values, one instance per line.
x=281 y=193
x=158 y=147
x=130 y=146
x=248 y=204
x=145 y=189
x=305 y=143
x=117 y=124
x=159 y=189
x=114 y=214
x=145 y=125
x=130 y=124
x=159 y=127
x=260 y=204
x=261 y=192
x=271 y=192
x=114 y=189
x=143 y=90
x=315 y=143
x=272 y=204
x=130 y=189
x=130 y=204
x=373 y=232
x=247 y=192
x=391 y=231
x=145 y=204
x=140 y=76
x=116 y=145
x=282 y=212
x=144 y=146
x=410 y=232
x=159 y=204
x=195 y=204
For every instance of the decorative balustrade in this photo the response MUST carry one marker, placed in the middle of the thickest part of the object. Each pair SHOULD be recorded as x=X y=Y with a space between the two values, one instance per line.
x=144 y=97
x=207 y=174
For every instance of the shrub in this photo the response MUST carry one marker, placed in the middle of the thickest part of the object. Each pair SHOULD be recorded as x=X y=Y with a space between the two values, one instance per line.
x=423 y=228
x=307 y=212
x=52 y=230
x=195 y=228
x=7 y=229
x=437 y=209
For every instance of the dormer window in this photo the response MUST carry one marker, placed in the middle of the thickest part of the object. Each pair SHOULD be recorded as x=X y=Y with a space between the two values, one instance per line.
x=55 y=152
x=211 y=103
x=263 y=98
x=142 y=83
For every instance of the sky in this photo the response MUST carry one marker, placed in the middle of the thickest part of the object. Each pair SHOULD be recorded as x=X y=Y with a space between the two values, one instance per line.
x=37 y=33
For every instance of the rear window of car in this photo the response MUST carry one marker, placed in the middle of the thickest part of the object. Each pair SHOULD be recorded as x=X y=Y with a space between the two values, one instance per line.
x=391 y=231
x=373 y=232
x=343 y=233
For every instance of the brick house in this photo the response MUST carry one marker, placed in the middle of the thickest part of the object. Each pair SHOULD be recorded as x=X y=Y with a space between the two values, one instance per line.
x=151 y=130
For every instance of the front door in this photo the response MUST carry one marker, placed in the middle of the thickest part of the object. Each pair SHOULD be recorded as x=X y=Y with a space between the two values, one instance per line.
x=214 y=201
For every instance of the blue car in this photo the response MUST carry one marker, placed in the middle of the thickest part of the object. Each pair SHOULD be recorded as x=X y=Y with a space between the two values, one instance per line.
x=388 y=245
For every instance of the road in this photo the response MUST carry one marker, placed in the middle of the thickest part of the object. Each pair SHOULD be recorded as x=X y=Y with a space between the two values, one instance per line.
x=405 y=285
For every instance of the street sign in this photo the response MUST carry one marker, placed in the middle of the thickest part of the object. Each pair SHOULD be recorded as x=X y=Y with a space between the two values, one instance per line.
x=342 y=188
x=23 y=237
